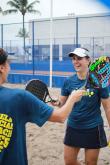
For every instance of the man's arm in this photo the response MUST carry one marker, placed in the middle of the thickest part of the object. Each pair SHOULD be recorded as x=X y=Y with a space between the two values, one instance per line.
x=106 y=105
x=60 y=114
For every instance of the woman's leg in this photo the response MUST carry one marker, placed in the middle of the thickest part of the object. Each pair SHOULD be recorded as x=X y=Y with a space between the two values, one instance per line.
x=70 y=155
x=91 y=156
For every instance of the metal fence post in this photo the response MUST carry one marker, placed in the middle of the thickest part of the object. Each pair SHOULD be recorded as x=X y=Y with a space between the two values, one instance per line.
x=33 y=51
x=93 y=48
x=2 y=35
x=77 y=42
x=51 y=44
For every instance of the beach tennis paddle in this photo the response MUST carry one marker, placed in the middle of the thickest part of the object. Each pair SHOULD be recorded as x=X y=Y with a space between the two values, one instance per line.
x=99 y=73
x=40 y=90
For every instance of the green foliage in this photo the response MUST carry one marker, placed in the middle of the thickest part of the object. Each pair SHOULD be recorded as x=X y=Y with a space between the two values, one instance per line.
x=22 y=6
x=1 y=10
x=23 y=33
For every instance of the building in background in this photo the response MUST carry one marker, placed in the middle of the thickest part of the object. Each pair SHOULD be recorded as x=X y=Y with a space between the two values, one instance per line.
x=90 y=31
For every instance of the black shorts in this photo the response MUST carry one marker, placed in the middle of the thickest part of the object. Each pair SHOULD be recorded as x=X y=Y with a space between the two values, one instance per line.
x=93 y=138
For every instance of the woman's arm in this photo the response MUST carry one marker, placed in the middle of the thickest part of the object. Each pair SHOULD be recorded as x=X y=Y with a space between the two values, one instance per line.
x=106 y=105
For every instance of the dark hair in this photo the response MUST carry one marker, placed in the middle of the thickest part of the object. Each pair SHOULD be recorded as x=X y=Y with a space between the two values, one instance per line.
x=3 y=56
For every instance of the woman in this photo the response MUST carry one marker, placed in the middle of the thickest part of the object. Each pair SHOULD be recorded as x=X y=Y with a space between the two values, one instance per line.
x=17 y=107
x=85 y=125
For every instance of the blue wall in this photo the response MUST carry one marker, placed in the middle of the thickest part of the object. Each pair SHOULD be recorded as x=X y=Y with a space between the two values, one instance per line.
x=64 y=66
x=23 y=78
x=60 y=66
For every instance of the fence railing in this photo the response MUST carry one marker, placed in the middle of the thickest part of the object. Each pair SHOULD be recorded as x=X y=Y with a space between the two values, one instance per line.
x=68 y=33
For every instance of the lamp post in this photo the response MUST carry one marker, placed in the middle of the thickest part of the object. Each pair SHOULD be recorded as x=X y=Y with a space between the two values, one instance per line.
x=51 y=42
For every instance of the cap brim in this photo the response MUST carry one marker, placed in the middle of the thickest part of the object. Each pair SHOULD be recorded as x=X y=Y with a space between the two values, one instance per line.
x=71 y=54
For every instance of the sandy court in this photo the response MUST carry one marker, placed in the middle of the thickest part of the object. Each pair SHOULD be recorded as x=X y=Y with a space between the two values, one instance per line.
x=45 y=145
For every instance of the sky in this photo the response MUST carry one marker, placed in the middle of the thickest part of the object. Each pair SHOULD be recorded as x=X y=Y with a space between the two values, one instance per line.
x=60 y=8
x=106 y=3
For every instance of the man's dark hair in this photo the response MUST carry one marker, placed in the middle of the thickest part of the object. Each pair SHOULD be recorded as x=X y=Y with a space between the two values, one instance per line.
x=3 y=56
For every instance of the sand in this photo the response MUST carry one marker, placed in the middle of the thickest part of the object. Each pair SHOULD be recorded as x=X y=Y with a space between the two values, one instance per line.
x=45 y=144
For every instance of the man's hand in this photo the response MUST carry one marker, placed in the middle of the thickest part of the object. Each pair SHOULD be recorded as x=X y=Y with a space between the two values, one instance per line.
x=55 y=103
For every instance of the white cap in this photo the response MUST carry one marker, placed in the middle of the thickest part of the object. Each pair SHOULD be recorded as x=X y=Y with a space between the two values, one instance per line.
x=81 y=52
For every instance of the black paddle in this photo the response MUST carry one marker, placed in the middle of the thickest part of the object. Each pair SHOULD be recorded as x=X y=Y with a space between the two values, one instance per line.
x=39 y=89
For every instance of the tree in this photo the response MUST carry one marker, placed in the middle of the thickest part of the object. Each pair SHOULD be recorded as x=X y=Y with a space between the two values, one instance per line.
x=23 y=33
x=22 y=6
x=1 y=10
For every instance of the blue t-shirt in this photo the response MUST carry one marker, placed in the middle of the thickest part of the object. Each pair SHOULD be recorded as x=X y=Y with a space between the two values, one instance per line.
x=17 y=107
x=86 y=113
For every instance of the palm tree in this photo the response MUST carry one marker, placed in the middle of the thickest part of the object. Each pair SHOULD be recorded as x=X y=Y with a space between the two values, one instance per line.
x=22 y=6
x=1 y=10
x=23 y=33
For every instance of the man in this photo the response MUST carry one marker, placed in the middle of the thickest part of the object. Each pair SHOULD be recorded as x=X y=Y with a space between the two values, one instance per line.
x=17 y=107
